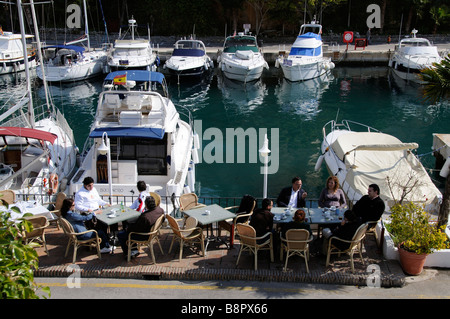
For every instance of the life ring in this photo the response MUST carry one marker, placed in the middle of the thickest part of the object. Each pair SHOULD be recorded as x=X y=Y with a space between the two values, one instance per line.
x=53 y=184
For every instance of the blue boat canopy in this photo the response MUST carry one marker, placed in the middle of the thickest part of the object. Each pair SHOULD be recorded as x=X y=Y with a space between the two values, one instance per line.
x=135 y=132
x=137 y=75
x=311 y=35
x=75 y=48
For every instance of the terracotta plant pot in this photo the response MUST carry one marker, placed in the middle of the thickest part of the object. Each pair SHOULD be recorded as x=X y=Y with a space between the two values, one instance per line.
x=412 y=263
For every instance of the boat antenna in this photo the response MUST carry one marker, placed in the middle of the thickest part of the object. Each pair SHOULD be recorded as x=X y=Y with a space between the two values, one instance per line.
x=104 y=21
x=400 y=32
x=337 y=115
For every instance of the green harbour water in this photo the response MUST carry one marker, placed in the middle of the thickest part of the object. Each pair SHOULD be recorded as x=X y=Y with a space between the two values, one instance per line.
x=292 y=114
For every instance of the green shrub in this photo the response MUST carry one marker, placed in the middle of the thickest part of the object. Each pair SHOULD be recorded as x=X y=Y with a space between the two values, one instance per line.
x=17 y=260
x=411 y=228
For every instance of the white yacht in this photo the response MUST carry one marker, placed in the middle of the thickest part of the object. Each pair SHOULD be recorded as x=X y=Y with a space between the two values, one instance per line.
x=411 y=55
x=38 y=152
x=360 y=155
x=70 y=62
x=189 y=58
x=11 y=53
x=145 y=137
x=134 y=53
x=241 y=58
x=305 y=60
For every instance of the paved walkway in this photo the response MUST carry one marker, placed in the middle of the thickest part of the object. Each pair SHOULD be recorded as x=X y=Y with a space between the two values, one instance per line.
x=219 y=264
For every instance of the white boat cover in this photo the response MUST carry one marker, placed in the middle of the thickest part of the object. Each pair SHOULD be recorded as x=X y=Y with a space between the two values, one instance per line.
x=372 y=157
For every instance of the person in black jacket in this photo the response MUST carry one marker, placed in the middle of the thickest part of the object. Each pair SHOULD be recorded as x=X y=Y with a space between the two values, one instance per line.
x=346 y=230
x=262 y=218
x=370 y=207
x=142 y=225
x=292 y=195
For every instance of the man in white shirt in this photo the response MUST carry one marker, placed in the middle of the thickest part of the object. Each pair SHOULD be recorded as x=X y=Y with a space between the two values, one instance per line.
x=87 y=198
x=293 y=196
x=139 y=203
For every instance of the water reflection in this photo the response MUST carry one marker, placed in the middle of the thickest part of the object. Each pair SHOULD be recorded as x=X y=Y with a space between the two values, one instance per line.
x=241 y=98
x=302 y=98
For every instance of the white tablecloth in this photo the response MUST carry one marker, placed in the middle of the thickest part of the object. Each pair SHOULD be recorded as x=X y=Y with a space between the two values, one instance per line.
x=30 y=207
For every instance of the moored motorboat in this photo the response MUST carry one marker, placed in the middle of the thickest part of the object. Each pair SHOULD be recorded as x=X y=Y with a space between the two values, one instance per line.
x=412 y=55
x=360 y=155
x=11 y=53
x=189 y=58
x=305 y=60
x=134 y=53
x=147 y=139
x=241 y=58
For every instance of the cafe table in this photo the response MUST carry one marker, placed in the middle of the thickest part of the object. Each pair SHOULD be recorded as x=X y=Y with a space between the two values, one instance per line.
x=210 y=215
x=28 y=207
x=324 y=217
x=115 y=214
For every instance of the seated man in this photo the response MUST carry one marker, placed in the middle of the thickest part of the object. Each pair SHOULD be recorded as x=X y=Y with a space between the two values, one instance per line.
x=262 y=218
x=139 y=203
x=370 y=207
x=292 y=195
x=87 y=198
x=346 y=230
x=143 y=225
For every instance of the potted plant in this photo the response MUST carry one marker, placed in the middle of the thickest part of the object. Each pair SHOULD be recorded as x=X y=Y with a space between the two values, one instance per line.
x=415 y=235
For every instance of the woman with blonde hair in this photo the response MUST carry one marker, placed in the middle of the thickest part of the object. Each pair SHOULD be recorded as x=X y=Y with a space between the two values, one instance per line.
x=332 y=195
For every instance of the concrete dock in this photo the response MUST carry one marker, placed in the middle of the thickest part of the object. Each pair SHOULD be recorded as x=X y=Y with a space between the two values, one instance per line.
x=377 y=54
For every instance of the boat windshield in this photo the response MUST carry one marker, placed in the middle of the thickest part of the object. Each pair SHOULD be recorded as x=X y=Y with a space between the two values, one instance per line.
x=233 y=44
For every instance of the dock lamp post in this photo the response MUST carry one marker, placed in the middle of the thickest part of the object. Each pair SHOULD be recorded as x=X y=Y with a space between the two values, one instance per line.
x=264 y=152
x=105 y=149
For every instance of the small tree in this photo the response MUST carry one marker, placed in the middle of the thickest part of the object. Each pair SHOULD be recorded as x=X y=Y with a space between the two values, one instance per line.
x=17 y=260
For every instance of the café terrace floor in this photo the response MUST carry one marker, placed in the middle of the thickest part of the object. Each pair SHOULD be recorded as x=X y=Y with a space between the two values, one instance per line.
x=219 y=264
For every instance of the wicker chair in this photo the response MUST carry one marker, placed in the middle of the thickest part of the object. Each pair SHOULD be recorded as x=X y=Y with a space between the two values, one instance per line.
x=250 y=242
x=355 y=245
x=243 y=213
x=40 y=223
x=189 y=201
x=187 y=235
x=60 y=197
x=152 y=236
x=296 y=243
x=156 y=197
x=73 y=240
x=8 y=196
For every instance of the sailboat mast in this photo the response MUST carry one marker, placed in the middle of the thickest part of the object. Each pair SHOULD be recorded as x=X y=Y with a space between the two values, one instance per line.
x=26 y=64
x=39 y=52
x=86 y=27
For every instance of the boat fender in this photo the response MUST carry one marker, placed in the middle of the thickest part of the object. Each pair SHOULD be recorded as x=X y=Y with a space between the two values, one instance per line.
x=318 y=163
x=277 y=63
x=53 y=184
x=196 y=141
x=195 y=156
x=446 y=168
x=64 y=183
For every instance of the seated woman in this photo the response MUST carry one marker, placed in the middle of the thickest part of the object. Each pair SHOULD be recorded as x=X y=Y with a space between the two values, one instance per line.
x=77 y=221
x=332 y=195
x=297 y=223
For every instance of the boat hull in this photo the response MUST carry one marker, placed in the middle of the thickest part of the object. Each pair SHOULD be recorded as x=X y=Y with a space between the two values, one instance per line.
x=305 y=71
x=75 y=72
